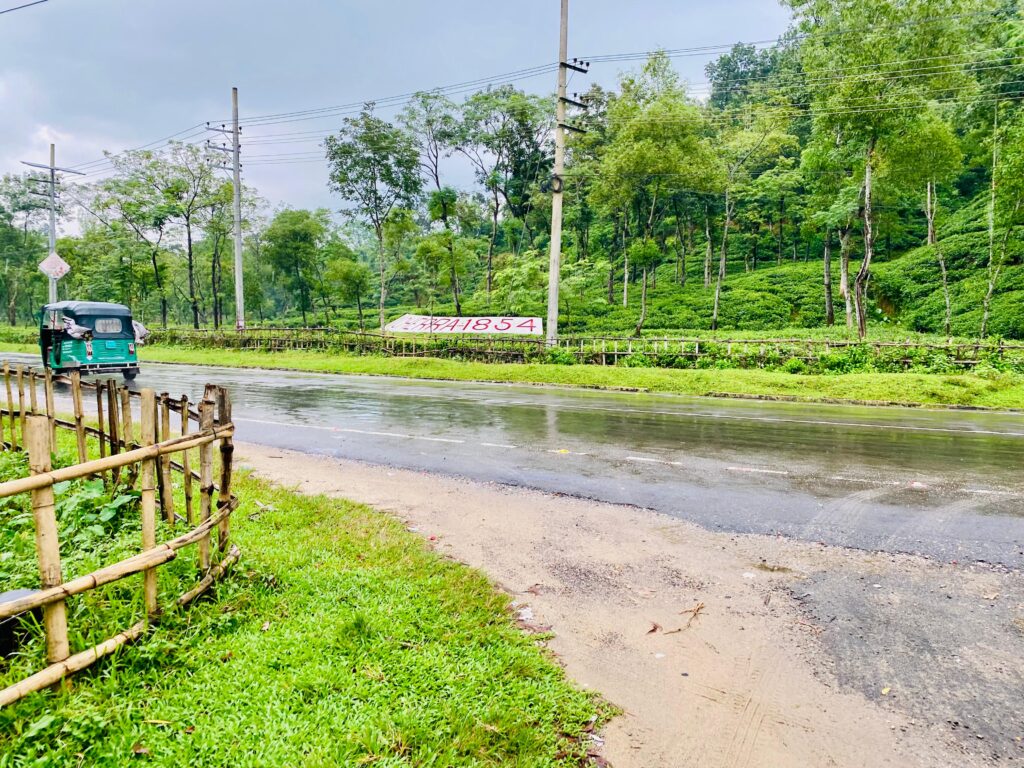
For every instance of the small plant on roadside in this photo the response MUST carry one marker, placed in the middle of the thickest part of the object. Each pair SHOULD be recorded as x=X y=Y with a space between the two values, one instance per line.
x=637 y=360
x=559 y=356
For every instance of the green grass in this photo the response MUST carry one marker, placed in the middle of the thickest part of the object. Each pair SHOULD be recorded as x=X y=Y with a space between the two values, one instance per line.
x=987 y=389
x=995 y=391
x=340 y=639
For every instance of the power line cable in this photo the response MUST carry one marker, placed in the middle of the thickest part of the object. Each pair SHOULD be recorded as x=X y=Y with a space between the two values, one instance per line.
x=19 y=7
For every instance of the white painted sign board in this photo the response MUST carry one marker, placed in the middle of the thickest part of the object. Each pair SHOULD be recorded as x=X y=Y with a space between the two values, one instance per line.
x=54 y=267
x=507 y=326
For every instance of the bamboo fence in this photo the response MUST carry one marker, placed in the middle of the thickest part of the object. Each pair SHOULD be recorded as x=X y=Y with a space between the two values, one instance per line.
x=144 y=459
x=596 y=350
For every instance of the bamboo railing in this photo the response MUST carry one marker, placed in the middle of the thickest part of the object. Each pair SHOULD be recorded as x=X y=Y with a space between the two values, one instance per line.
x=145 y=460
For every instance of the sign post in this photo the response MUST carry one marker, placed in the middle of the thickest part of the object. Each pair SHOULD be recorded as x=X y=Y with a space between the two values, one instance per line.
x=54 y=267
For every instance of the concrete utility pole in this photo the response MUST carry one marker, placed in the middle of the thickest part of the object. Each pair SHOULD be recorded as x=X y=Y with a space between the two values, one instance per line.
x=237 y=150
x=236 y=169
x=52 y=194
x=557 y=182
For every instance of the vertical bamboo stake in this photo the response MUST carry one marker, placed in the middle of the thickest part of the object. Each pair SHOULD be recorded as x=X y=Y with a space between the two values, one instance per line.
x=51 y=410
x=76 y=400
x=33 y=400
x=186 y=463
x=127 y=432
x=227 y=450
x=205 y=482
x=10 y=406
x=2 y=441
x=21 y=400
x=37 y=440
x=166 y=487
x=148 y=488
x=100 y=423
x=115 y=439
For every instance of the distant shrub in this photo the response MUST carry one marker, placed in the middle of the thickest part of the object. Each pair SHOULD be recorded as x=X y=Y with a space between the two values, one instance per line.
x=559 y=356
x=795 y=365
x=637 y=360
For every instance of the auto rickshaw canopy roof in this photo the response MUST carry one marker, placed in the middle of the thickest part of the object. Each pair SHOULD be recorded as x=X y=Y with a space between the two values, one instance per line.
x=76 y=309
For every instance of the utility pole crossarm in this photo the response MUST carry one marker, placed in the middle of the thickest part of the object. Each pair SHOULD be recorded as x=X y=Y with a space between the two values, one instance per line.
x=51 y=168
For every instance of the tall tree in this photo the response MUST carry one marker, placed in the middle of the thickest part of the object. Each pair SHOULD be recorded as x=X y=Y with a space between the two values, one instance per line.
x=375 y=167
x=855 y=57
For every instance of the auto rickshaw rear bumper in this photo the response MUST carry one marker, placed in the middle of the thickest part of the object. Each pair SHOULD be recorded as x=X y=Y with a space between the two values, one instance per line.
x=99 y=368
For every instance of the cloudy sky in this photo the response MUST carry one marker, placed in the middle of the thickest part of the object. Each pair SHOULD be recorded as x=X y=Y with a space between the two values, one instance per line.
x=95 y=75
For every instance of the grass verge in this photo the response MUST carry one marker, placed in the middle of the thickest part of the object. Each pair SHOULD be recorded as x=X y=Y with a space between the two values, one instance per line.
x=341 y=639
x=995 y=389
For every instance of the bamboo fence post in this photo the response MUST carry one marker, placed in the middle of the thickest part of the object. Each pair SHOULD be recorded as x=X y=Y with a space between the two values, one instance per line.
x=205 y=482
x=76 y=400
x=186 y=463
x=51 y=410
x=166 y=488
x=100 y=422
x=115 y=440
x=37 y=440
x=32 y=398
x=127 y=432
x=2 y=441
x=21 y=400
x=148 y=488
x=227 y=450
x=10 y=406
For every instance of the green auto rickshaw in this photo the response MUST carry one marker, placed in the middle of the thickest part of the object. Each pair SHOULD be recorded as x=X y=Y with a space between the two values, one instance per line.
x=90 y=337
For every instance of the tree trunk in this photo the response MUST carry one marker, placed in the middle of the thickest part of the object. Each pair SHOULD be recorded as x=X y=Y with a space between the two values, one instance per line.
x=689 y=245
x=158 y=279
x=495 y=208
x=383 y=281
x=929 y=212
x=845 y=235
x=782 y=226
x=860 y=285
x=453 y=275
x=191 y=274
x=359 y=309
x=625 y=278
x=721 y=262
x=947 y=319
x=453 y=278
x=995 y=270
x=643 y=305
x=213 y=286
x=993 y=273
x=709 y=251
x=625 y=263
x=681 y=260
x=830 y=314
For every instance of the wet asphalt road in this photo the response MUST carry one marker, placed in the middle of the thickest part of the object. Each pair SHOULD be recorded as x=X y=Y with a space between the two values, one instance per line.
x=945 y=484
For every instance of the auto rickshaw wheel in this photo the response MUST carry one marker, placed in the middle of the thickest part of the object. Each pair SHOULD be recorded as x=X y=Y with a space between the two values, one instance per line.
x=130 y=375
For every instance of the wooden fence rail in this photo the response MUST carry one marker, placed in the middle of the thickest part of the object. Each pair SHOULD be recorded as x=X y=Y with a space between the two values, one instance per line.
x=599 y=350
x=147 y=461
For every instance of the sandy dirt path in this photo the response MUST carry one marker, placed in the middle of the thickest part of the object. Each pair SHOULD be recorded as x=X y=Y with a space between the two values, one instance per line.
x=740 y=684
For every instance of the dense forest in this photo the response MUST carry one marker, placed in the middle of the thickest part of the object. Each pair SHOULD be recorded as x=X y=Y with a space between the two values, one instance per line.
x=866 y=169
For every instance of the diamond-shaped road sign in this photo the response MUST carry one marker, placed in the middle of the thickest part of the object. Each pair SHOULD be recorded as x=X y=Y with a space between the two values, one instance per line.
x=54 y=267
